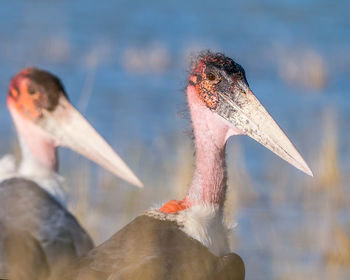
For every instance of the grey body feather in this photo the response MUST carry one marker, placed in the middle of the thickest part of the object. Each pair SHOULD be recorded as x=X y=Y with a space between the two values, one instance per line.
x=31 y=218
x=150 y=249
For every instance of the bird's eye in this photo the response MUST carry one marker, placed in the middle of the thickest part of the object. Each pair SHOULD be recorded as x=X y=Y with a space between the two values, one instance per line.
x=31 y=90
x=211 y=76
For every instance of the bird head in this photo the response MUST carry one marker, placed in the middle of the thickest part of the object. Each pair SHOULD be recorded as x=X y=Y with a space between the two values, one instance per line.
x=220 y=85
x=37 y=99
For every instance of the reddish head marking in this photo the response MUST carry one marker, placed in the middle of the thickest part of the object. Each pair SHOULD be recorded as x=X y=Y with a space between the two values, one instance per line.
x=204 y=87
x=206 y=76
x=33 y=90
x=19 y=97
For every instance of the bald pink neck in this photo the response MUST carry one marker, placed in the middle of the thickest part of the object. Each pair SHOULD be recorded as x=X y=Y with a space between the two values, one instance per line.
x=209 y=181
x=38 y=148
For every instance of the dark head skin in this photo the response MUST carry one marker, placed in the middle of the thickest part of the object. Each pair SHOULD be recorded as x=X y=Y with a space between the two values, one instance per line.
x=33 y=90
x=214 y=73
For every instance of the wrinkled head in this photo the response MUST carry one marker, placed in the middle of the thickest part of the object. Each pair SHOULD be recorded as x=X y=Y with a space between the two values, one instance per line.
x=221 y=85
x=37 y=101
x=33 y=90
x=214 y=73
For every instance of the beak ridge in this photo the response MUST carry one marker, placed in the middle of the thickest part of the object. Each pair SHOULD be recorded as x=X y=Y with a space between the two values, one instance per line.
x=245 y=112
x=69 y=128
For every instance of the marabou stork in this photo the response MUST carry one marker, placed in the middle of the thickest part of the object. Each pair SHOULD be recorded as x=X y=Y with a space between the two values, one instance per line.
x=37 y=232
x=188 y=239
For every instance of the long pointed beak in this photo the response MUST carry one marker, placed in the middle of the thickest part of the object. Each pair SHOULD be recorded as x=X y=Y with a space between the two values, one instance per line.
x=69 y=128
x=243 y=110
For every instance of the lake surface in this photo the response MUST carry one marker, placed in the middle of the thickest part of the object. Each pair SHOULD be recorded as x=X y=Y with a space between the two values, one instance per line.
x=124 y=64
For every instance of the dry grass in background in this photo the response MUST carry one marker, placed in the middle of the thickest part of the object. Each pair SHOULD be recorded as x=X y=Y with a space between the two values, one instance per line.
x=321 y=204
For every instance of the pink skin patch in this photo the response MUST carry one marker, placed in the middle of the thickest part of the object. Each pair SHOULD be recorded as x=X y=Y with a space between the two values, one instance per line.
x=211 y=134
x=41 y=145
x=25 y=111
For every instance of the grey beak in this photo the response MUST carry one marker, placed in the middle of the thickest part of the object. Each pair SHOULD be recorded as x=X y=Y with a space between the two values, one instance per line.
x=243 y=110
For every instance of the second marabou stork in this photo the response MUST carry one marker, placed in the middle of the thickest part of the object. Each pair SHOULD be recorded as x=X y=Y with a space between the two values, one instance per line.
x=188 y=239
x=37 y=233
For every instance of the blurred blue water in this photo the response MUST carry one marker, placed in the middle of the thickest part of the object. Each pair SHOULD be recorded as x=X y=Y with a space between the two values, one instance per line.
x=131 y=59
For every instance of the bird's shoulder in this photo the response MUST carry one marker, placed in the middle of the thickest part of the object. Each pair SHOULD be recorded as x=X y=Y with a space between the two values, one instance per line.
x=27 y=207
x=149 y=248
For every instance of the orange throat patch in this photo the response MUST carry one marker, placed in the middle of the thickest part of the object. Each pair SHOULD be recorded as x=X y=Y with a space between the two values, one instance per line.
x=174 y=206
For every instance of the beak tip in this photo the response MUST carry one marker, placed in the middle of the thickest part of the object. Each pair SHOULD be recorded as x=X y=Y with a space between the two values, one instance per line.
x=306 y=169
x=135 y=181
x=140 y=185
x=310 y=173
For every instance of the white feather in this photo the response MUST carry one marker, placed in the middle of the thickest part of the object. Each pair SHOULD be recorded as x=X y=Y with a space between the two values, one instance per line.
x=46 y=179
x=204 y=223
